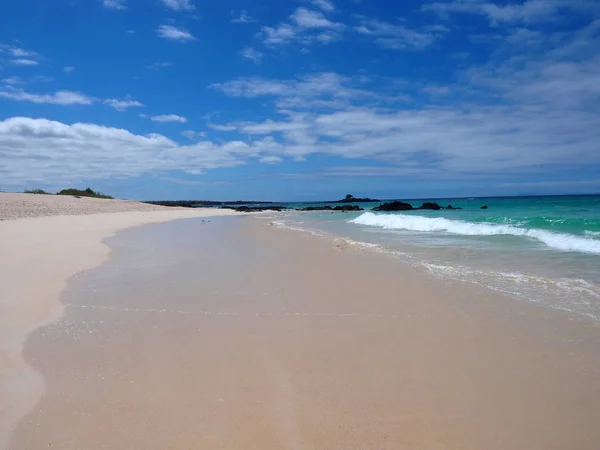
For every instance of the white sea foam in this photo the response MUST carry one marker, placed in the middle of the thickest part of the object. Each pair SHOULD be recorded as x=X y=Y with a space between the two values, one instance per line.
x=558 y=241
x=571 y=295
x=288 y=226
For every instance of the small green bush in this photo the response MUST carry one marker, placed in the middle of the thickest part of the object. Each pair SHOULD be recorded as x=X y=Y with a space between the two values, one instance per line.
x=37 y=191
x=83 y=193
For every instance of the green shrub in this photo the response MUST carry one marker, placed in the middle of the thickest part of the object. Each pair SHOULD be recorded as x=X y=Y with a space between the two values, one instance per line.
x=83 y=193
x=37 y=191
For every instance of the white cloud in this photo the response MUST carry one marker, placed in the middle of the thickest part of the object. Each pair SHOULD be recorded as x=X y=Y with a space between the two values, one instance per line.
x=304 y=26
x=12 y=80
x=45 y=151
x=179 y=5
x=243 y=18
x=158 y=65
x=193 y=135
x=168 y=118
x=174 y=33
x=527 y=11
x=222 y=127
x=325 y=5
x=398 y=37
x=253 y=55
x=68 y=69
x=271 y=159
x=281 y=34
x=118 y=5
x=24 y=62
x=21 y=53
x=306 y=18
x=122 y=104
x=56 y=98
x=325 y=90
x=530 y=111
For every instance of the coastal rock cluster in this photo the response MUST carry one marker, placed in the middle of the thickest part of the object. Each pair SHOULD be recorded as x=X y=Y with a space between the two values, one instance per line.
x=326 y=206
x=402 y=206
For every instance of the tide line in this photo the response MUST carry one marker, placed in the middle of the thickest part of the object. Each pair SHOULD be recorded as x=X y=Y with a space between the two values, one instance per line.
x=229 y=313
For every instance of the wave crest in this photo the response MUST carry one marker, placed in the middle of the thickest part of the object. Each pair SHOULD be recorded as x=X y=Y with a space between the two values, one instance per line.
x=558 y=241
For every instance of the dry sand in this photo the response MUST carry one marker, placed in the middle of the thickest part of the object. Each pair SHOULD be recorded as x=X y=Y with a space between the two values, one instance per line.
x=235 y=335
x=37 y=256
x=20 y=206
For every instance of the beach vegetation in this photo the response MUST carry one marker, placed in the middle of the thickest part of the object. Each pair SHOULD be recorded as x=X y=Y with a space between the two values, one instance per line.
x=83 y=193
x=37 y=191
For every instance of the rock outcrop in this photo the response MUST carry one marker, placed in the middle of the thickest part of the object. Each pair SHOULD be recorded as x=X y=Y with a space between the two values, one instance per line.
x=344 y=208
x=394 y=206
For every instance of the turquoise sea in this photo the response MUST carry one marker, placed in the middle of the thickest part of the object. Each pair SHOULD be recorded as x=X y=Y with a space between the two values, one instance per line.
x=539 y=249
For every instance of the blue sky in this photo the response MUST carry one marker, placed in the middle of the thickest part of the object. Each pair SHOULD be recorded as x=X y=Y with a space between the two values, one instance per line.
x=300 y=100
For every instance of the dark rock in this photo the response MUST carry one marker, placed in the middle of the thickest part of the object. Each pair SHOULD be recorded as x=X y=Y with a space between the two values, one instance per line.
x=316 y=208
x=430 y=205
x=347 y=208
x=451 y=207
x=484 y=207
x=351 y=199
x=330 y=208
x=394 y=206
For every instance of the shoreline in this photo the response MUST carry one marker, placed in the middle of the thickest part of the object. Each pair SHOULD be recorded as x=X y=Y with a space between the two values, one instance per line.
x=566 y=282
x=278 y=347
x=42 y=253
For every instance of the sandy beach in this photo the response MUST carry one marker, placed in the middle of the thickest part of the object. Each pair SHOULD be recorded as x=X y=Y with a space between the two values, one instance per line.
x=234 y=334
x=44 y=240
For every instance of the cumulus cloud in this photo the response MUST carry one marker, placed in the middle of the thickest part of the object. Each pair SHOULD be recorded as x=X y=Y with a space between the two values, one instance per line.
x=271 y=159
x=21 y=53
x=118 y=5
x=179 y=5
x=12 y=80
x=18 y=56
x=168 y=118
x=304 y=26
x=45 y=151
x=325 y=5
x=56 y=98
x=532 y=108
x=529 y=11
x=173 y=33
x=243 y=18
x=122 y=104
x=227 y=127
x=397 y=36
x=306 y=18
x=193 y=135
x=251 y=54
x=24 y=62
x=325 y=90
x=549 y=121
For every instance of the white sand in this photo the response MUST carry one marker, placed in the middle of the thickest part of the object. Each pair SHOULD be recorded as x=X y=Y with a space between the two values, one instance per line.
x=60 y=237
x=19 y=206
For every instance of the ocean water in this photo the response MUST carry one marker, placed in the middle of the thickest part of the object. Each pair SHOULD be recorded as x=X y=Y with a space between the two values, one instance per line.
x=544 y=250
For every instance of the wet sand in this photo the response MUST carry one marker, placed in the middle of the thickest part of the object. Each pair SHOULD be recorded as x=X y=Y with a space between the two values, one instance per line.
x=45 y=240
x=237 y=335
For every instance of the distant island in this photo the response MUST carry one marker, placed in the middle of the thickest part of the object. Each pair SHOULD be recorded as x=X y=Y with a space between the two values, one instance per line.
x=351 y=199
x=240 y=203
